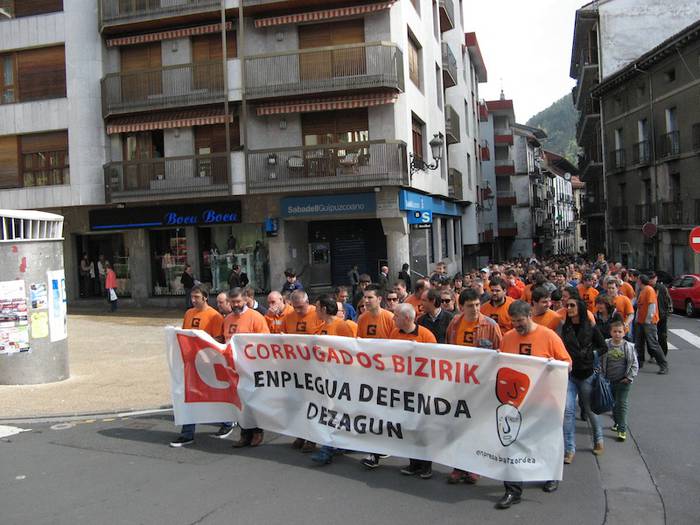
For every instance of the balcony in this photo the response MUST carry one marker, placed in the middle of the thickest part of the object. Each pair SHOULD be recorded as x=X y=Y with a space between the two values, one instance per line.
x=507 y=228
x=154 y=13
x=672 y=213
x=617 y=160
x=590 y=113
x=328 y=167
x=163 y=88
x=670 y=144
x=593 y=206
x=454 y=184
x=452 y=133
x=641 y=153
x=447 y=15
x=619 y=217
x=505 y=167
x=449 y=67
x=487 y=234
x=505 y=195
x=352 y=67
x=644 y=213
x=173 y=177
x=587 y=75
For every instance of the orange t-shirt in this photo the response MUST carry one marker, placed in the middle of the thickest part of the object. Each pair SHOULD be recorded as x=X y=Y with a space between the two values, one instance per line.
x=627 y=290
x=623 y=305
x=379 y=326
x=588 y=296
x=293 y=323
x=336 y=327
x=274 y=322
x=499 y=313
x=550 y=319
x=466 y=332
x=541 y=342
x=527 y=294
x=419 y=335
x=353 y=327
x=248 y=322
x=647 y=297
x=208 y=320
x=562 y=315
x=416 y=303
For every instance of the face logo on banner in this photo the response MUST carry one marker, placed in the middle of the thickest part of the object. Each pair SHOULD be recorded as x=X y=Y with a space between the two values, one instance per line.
x=371 y=329
x=511 y=388
x=525 y=349
x=195 y=322
x=301 y=327
x=210 y=374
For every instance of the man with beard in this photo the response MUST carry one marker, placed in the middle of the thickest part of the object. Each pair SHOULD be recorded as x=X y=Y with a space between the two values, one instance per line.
x=497 y=307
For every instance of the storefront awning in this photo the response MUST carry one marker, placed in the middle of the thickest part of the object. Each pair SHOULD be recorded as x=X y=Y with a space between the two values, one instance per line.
x=326 y=104
x=326 y=14
x=168 y=120
x=166 y=35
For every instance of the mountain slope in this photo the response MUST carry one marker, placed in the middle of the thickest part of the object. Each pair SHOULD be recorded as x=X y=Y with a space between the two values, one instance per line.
x=559 y=121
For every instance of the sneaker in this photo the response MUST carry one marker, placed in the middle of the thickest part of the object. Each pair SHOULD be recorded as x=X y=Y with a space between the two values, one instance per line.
x=425 y=472
x=599 y=448
x=324 y=456
x=298 y=443
x=663 y=371
x=257 y=439
x=568 y=458
x=181 y=441
x=411 y=469
x=383 y=456
x=370 y=461
x=621 y=436
x=309 y=446
x=614 y=427
x=223 y=432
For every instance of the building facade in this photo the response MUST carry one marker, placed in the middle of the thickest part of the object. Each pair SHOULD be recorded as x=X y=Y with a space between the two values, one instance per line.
x=272 y=135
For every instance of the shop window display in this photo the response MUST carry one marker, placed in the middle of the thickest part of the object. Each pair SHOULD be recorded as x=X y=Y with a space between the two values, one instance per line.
x=169 y=249
x=222 y=247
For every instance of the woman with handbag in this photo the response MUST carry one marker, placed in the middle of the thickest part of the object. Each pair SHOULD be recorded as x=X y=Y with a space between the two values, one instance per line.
x=111 y=287
x=582 y=339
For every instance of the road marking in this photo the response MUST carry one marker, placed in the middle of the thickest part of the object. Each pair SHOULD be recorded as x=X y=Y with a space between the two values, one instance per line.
x=144 y=412
x=671 y=346
x=7 y=431
x=688 y=336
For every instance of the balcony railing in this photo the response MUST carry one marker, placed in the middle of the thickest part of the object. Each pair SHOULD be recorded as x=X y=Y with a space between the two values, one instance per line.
x=325 y=69
x=672 y=213
x=163 y=88
x=619 y=216
x=617 y=159
x=115 y=12
x=447 y=15
x=641 y=152
x=644 y=213
x=454 y=184
x=177 y=177
x=507 y=228
x=670 y=144
x=589 y=112
x=449 y=67
x=352 y=165
x=593 y=207
x=452 y=133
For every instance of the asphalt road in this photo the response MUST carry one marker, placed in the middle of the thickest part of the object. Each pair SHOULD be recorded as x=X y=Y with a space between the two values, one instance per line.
x=119 y=470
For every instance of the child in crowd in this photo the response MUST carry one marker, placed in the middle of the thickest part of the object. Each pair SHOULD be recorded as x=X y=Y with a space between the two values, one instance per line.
x=619 y=365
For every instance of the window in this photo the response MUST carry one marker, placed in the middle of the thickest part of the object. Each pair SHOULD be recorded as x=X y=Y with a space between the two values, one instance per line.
x=431 y=243
x=7 y=79
x=9 y=169
x=469 y=171
x=436 y=21
x=444 y=246
x=20 y=8
x=438 y=85
x=207 y=47
x=641 y=91
x=670 y=75
x=671 y=120
x=414 y=61
x=418 y=134
x=456 y=226
x=466 y=116
x=335 y=127
x=168 y=260
x=45 y=159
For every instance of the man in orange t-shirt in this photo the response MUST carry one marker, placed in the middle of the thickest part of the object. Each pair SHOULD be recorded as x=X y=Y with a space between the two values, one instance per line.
x=341 y=316
x=623 y=305
x=303 y=319
x=626 y=288
x=276 y=311
x=529 y=338
x=415 y=299
x=406 y=329
x=375 y=322
x=202 y=317
x=497 y=307
x=327 y=311
x=587 y=292
x=541 y=312
x=645 y=333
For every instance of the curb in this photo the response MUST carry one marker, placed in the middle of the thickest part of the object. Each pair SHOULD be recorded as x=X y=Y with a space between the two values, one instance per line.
x=127 y=412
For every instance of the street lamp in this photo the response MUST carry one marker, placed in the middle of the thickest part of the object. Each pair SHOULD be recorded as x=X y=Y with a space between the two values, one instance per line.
x=436 y=144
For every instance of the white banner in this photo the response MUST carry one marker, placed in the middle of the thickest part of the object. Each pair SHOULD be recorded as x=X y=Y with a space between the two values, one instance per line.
x=495 y=414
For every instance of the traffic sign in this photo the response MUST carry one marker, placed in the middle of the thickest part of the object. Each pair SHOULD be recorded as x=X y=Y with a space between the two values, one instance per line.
x=420 y=217
x=649 y=229
x=694 y=239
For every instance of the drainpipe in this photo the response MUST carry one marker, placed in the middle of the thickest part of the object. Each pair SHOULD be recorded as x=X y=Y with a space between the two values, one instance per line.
x=227 y=124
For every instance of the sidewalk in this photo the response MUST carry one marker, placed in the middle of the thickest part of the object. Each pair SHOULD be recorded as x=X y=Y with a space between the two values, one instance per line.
x=117 y=363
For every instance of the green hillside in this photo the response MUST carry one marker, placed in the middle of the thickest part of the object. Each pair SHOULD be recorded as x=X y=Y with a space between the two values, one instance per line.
x=559 y=121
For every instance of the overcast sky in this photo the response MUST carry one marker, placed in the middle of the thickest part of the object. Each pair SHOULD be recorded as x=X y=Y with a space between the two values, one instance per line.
x=526 y=46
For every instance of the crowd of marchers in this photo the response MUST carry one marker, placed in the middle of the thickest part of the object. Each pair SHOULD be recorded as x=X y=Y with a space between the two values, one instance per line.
x=598 y=316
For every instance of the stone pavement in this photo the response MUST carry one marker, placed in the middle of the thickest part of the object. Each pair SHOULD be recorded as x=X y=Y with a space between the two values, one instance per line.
x=117 y=363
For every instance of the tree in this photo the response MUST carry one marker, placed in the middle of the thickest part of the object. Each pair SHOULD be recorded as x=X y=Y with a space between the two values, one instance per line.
x=559 y=122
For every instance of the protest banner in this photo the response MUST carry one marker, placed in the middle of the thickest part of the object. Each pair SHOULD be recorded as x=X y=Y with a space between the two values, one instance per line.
x=495 y=414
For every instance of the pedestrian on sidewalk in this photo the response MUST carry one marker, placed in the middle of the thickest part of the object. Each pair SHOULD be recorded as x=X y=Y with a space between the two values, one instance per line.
x=619 y=366
x=111 y=286
x=663 y=300
x=188 y=281
x=645 y=331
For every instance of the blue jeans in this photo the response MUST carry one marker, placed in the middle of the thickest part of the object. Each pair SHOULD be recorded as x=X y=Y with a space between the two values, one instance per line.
x=188 y=430
x=582 y=389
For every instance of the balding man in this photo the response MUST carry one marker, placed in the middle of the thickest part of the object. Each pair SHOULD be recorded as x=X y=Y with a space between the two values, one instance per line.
x=222 y=304
x=383 y=280
x=276 y=311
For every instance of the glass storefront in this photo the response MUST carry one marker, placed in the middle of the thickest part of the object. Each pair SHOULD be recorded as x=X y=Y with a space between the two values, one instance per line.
x=113 y=249
x=222 y=247
x=169 y=257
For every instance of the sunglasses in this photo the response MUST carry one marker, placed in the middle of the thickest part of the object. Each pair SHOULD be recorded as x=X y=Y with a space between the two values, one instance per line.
x=446 y=300
x=392 y=299
x=571 y=305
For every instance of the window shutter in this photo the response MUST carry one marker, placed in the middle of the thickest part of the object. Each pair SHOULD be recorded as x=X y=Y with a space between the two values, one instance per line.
x=9 y=165
x=42 y=73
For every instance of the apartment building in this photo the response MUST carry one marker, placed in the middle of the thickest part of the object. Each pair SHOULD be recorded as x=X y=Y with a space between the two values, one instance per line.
x=609 y=35
x=651 y=136
x=269 y=134
x=560 y=182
